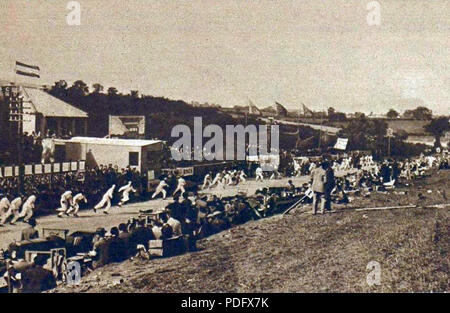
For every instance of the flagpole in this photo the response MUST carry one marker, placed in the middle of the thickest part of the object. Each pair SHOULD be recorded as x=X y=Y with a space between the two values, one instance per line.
x=320 y=130
x=19 y=103
x=298 y=129
x=15 y=73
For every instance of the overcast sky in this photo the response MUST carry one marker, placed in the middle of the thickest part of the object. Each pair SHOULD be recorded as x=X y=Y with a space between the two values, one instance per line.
x=321 y=53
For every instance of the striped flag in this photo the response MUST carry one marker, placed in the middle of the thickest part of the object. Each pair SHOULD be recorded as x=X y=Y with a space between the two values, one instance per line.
x=252 y=109
x=307 y=111
x=27 y=70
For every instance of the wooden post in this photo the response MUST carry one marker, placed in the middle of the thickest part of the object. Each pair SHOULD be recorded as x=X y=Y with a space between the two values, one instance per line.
x=85 y=126
x=73 y=127
x=58 y=126
x=389 y=146
x=9 y=276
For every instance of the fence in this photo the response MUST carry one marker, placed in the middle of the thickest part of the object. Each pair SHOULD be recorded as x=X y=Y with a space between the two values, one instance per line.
x=34 y=174
x=43 y=169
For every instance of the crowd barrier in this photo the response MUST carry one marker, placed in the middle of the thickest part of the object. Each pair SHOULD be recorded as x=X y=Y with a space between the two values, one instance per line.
x=198 y=169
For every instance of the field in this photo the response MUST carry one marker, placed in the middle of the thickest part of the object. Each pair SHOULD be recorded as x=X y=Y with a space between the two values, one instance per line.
x=413 y=127
x=304 y=253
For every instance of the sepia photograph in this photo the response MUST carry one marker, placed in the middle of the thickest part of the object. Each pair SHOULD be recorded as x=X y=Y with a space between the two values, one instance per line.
x=229 y=153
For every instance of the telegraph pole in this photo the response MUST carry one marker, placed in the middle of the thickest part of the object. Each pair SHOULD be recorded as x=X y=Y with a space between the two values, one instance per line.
x=389 y=135
x=320 y=130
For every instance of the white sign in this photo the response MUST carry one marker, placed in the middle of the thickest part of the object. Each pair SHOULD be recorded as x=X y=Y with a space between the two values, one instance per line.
x=341 y=144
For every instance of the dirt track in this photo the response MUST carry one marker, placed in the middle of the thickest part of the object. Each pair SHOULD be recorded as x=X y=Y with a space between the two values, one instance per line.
x=89 y=221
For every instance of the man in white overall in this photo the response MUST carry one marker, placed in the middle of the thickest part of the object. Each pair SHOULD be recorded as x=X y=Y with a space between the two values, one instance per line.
x=106 y=199
x=160 y=189
x=207 y=181
x=242 y=177
x=125 y=190
x=28 y=209
x=259 y=174
x=216 y=179
x=180 y=187
x=4 y=206
x=76 y=204
x=13 y=211
x=66 y=203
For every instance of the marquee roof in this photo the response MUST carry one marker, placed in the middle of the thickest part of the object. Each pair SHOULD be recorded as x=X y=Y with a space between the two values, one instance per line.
x=49 y=106
x=114 y=141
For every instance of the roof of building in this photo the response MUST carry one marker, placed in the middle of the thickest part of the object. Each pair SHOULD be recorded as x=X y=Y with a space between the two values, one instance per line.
x=44 y=103
x=113 y=141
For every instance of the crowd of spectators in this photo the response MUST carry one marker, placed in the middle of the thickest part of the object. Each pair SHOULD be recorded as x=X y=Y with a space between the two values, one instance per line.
x=191 y=216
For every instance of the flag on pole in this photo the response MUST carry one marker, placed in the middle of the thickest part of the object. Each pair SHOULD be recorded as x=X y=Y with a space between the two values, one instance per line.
x=307 y=111
x=252 y=109
x=27 y=70
x=341 y=144
x=281 y=110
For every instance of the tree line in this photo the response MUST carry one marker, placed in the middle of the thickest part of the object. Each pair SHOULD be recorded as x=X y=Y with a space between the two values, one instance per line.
x=161 y=114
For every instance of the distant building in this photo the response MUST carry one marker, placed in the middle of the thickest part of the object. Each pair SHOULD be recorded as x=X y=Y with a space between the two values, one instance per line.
x=140 y=154
x=276 y=110
x=45 y=112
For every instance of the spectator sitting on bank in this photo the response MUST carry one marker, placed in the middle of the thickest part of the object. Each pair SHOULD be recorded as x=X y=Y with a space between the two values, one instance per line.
x=124 y=240
x=174 y=223
x=35 y=278
x=100 y=251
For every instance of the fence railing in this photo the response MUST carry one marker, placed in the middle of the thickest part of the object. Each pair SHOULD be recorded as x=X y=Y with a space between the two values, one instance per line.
x=42 y=169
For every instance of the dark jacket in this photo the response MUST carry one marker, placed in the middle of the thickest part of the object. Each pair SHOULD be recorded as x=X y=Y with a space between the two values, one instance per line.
x=36 y=279
x=330 y=182
x=103 y=254
x=125 y=246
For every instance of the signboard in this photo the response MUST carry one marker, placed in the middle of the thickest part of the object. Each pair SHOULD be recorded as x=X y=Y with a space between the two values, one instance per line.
x=47 y=168
x=187 y=171
x=66 y=167
x=28 y=169
x=341 y=144
x=309 y=193
x=8 y=171
x=182 y=171
x=127 y=125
